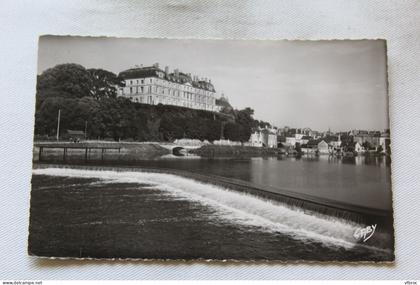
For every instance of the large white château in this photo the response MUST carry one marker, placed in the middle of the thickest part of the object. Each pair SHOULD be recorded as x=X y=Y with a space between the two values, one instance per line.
x=152 y=85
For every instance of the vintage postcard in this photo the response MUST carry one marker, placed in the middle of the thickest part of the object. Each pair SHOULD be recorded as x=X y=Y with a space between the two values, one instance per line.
x=211 y=150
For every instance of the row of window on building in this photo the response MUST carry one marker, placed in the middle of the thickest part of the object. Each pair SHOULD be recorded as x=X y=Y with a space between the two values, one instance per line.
x=154 y=100
x=164 y=84
x=171 y=92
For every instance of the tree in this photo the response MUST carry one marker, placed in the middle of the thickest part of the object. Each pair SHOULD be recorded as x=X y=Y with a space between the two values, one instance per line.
x=298 y=148
x=74 y=113
x=64 y=80
x=262 y=124
x=233 y=132
x=246 y=123
x=103 y=83
x=89 y=96
x=367 y=145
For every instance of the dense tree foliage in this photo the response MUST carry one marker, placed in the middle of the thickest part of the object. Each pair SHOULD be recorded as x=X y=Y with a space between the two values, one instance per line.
x=64 y=80
x=87 y=98
x=263 y=124
x=103 y=83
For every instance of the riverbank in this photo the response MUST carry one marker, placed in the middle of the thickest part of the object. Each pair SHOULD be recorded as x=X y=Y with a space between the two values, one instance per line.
x=113 y=151
x=235 y=151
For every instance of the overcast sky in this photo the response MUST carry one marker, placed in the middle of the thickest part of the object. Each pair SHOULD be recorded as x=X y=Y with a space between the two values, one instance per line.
x=340 y=85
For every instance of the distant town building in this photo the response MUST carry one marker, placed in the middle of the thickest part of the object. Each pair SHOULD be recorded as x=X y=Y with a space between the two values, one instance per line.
x=358 y=148
x=264 y=138
x=152 y=85
x=256 y=139
x=353 y=147
x=311 y=147
x=291 y=141
x=307 y=132
x=271 y=139
x=323 y=147
x=305 y=139
x=338 y=143
x=385 y=142
x=283 y=131
x=298 y=138
x=370 y=137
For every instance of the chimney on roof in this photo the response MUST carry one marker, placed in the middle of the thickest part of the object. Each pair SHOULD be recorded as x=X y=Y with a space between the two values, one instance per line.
x=176 y=71
x=209 y=80
x=156 y=65
x=166 y=71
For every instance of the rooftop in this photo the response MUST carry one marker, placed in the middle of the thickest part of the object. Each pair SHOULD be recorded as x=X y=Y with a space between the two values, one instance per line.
x=176 y=76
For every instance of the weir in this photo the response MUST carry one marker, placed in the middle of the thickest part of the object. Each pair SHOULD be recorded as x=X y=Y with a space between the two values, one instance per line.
x=307 y=203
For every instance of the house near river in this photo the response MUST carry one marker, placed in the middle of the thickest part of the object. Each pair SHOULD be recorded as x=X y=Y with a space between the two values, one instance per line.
x=327 y=145
x=316 y=146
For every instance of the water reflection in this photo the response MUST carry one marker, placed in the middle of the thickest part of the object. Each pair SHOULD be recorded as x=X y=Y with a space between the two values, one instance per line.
x=381 y=161
x=360 y=180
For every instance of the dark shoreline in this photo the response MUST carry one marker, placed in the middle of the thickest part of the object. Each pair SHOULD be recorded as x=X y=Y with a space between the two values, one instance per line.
x=235 y=151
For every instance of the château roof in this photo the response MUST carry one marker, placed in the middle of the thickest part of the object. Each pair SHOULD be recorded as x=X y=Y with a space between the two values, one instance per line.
x=132 y=73
x=154 y=71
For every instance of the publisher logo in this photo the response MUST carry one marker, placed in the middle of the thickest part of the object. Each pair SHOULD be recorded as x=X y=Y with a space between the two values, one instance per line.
x=364 y=233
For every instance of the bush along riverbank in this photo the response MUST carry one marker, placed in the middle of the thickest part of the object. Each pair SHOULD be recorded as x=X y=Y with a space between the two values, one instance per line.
x=235 y=151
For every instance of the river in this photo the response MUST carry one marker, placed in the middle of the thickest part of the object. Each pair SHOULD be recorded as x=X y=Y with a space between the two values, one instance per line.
x=117 y=212
x=361 y=180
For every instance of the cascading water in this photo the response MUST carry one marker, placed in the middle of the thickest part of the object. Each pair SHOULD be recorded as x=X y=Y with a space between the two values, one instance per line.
x=234 y=206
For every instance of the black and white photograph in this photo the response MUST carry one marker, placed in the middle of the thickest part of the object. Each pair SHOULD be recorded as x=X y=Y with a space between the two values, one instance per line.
x=210 y=149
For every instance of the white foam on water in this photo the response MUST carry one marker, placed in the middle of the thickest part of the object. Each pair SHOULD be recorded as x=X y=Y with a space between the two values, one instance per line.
x=232 y=205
